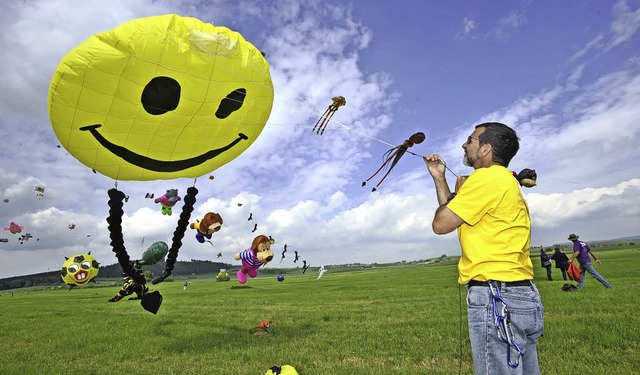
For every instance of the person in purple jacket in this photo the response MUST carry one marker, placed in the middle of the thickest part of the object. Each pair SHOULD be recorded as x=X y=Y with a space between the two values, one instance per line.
x=581 y=251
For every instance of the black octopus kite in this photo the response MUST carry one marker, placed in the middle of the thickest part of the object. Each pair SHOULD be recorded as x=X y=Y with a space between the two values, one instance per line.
x=392 y=156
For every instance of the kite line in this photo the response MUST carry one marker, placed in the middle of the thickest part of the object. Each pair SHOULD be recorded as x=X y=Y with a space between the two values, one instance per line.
x=312 y=109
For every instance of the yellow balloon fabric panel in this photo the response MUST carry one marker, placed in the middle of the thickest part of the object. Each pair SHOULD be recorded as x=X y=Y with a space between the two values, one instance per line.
x=161 y=97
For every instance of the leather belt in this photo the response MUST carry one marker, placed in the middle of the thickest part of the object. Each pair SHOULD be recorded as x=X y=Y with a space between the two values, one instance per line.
x=501 y=284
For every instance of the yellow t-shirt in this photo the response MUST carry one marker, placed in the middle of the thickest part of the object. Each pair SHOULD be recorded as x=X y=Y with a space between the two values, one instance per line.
x=496 y=234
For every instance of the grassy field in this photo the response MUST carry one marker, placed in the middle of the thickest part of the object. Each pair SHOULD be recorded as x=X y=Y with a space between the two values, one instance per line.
x=394 y=319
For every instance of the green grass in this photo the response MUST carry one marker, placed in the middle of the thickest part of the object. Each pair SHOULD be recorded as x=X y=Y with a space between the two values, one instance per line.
x=393 y=319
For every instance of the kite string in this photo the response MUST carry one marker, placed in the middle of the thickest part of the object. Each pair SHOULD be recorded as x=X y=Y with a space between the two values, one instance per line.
x=313 y=110
x=303 y=101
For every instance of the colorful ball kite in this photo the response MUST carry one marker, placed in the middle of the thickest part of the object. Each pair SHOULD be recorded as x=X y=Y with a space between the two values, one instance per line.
x=161 y=97
x=79 y=269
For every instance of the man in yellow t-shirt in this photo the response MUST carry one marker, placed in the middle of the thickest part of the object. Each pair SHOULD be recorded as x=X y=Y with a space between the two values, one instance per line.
x=494 y=228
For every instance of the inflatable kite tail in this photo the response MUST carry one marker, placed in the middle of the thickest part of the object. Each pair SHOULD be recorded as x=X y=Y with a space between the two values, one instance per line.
x=321 y=123
x=178 y=234
x=396 y=156
x=378 y=171
x=393 y=154
x=373 y=175
x=323 y=127
x=115 y=233
x=385 y=176
x=321 y=120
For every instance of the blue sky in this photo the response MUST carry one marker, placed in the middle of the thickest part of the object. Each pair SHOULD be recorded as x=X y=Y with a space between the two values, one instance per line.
x=565 y=75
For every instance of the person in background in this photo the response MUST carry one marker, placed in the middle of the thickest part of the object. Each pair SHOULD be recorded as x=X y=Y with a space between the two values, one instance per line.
x=581 y=251
x=545 y=259
x=562 y=261
x=494 y=227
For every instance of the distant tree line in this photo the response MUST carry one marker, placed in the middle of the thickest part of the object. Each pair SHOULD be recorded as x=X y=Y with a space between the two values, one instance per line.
x=181 y=268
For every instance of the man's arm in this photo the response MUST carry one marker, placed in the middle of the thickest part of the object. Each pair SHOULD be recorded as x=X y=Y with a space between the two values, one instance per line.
x=594 y=257
x=574 y=256
x=445 y=220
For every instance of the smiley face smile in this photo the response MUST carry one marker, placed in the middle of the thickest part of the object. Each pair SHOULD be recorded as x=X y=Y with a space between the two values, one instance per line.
x=154 y=164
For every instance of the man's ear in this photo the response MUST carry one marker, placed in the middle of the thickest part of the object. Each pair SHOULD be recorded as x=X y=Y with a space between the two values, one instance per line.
x=485 y=149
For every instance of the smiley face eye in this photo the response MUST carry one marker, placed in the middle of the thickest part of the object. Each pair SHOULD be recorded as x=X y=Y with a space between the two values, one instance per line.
x=231 y=103
x=160 y=95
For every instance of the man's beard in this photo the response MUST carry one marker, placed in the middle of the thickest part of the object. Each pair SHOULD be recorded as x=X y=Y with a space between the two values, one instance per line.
x=468 y=160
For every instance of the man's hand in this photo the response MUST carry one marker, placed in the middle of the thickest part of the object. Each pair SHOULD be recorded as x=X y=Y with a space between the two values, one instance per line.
x=435 y=165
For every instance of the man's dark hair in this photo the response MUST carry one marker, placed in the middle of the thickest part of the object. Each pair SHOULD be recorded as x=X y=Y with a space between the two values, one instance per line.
x=503 y=141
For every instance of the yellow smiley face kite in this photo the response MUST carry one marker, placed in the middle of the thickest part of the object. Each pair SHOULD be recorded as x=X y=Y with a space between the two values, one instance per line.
x=161 y=97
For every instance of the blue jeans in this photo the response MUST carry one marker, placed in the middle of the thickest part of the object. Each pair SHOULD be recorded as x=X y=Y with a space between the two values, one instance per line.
x=527 y=324
x=588 y=267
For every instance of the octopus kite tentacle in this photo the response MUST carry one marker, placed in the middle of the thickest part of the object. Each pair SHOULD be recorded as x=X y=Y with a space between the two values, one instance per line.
x=392 y=156
x=323 y=121
x=178 y=234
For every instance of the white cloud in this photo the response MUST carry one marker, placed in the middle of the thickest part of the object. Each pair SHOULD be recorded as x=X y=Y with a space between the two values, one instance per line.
x=574 y=77
x=584 y=204
x=509 y=24
x=468 y=25
x=594 y=213
x=625 y=24
x=594 y=43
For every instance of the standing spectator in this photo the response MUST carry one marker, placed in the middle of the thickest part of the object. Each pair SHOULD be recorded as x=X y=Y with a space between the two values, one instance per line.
x=581 y=251
x=494 y=227
x=545 y=259
x=562 y=262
